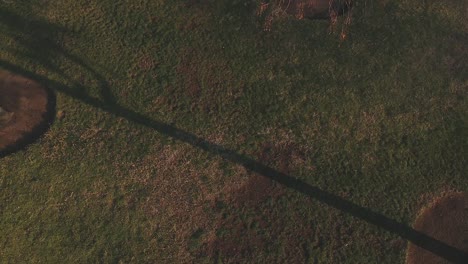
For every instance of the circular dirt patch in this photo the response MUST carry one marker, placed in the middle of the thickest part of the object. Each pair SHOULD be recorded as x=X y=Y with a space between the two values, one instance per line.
x=446 y=220
x=25 y=111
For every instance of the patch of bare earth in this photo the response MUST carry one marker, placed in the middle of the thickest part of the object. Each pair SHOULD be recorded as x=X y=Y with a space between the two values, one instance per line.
x=445 y=219
x=26 y=104
x=254 y=223
x=204 y=208
x=206 y=80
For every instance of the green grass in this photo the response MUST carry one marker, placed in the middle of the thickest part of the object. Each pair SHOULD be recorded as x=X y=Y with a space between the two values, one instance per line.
x=378 y=120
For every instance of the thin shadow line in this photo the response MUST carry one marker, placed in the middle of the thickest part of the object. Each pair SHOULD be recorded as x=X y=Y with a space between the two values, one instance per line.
x=419 y=239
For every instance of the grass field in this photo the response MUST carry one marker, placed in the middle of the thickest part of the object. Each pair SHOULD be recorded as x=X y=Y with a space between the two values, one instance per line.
x=187 y=134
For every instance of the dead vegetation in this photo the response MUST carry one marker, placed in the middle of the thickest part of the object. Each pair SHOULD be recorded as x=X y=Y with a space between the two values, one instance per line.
x=205 y=81
x=196 y=200
x=309 y=9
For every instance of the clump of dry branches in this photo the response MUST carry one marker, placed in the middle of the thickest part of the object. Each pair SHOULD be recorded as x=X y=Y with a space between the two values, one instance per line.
x=269 y=10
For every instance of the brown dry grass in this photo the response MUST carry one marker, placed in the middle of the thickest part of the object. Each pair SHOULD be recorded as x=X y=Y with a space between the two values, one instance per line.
x=188 y=71
x=195 y=200
x=181 y=192
x=445 y=219
x=27 y=100
x=205 y=80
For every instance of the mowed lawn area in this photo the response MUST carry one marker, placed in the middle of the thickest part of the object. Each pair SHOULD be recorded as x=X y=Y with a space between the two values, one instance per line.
x=185 y=133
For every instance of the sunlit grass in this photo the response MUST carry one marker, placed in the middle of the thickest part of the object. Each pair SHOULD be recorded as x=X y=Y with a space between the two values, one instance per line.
x=378 y=119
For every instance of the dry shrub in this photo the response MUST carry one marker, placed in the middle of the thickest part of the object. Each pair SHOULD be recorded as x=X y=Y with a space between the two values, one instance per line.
x=311 y=9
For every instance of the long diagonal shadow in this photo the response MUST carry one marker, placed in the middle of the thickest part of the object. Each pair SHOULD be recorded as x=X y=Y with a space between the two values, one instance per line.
x=422 y=240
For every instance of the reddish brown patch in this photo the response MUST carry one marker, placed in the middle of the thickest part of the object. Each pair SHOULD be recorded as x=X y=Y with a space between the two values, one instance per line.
x=146 y=63
x=28 y=103
x=237 y=242
x=397 y=245
x=283 y=155
x=238 y=239
x=446 y=220
x=341 y=235
x=256 y=190
x=195 y=70
x=217 y=215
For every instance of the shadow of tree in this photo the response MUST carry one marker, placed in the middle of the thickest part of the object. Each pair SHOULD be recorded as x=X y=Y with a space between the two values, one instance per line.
x=107 y=103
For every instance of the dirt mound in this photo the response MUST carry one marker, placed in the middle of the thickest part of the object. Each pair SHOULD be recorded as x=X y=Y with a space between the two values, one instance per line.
x=446 y=219
x=26 y=111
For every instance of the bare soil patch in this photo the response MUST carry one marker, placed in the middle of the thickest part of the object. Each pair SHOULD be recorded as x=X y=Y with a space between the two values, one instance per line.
x=214 y=215
x=238 y=239
x=445 y=219
x=29 y=111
